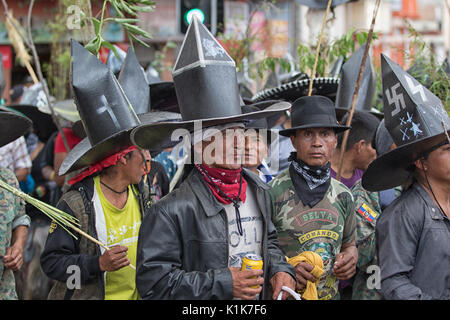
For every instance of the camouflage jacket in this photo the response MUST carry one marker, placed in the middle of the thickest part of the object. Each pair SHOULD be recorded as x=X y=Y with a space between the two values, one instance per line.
x=12 y=215
x=321 y=229
x=367 y=211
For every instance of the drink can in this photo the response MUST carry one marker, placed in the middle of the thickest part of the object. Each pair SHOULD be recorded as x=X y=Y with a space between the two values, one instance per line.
x=252 y=262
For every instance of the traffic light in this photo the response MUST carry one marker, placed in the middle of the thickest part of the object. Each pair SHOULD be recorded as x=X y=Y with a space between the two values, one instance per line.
x=210 y=13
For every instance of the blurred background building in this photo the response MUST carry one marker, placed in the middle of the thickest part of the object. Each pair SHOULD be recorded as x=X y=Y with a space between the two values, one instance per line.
x=282 y=25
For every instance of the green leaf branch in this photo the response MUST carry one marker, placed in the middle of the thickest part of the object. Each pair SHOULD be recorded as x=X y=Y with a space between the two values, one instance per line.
x=123 y=9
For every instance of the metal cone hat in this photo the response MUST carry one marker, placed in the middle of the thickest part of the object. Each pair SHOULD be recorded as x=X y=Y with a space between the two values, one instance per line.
x=347 y=84
x=206 y=87
x=105 y=110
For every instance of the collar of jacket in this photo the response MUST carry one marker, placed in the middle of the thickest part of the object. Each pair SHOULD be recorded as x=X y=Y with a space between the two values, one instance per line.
x=433 y=211
x=207 y=200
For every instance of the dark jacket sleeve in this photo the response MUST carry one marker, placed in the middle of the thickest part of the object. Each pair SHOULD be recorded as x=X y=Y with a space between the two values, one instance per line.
x=159 y=273
x=62 y=251
x=278 y=261
x=398 y=232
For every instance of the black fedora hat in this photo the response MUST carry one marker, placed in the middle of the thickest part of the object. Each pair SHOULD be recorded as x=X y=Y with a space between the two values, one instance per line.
x=313 y=112
x=206 y=87
x=414 y=117
x=12 y=126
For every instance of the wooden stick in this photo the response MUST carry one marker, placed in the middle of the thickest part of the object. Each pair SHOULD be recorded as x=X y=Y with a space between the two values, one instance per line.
x=41 y=78
x=445 y=130
x=313 y=72
x=355 y=94
x=84 y=234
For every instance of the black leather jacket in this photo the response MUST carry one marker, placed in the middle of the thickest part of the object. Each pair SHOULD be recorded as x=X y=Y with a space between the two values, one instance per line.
x=183 y=244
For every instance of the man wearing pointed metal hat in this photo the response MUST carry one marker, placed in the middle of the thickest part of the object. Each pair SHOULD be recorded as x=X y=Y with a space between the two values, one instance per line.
x=413 y=232
x=14 y=222
x=312 y=211
x=192 y=242
x=107 y=196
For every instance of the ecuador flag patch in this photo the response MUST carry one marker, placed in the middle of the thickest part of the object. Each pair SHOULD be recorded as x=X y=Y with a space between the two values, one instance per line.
x=367 y=212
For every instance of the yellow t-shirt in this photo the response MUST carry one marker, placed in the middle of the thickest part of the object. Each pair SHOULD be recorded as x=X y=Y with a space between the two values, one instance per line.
x=122 y=227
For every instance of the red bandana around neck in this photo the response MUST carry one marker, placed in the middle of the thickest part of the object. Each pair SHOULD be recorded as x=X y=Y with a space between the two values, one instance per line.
x=227 y=180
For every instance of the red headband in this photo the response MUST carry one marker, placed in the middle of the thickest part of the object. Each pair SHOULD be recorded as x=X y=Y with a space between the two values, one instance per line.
x=99 y=166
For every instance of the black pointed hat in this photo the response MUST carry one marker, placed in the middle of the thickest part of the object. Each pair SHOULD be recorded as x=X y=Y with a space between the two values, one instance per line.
x=133 y=80
x=347 y=83
x=131 y=102
x=206 y=86
x=12 y=126
x=134 y=83
x=115 y=62
x=147 y=103
x=104 y=108
x=413 y=116
x=322 y=4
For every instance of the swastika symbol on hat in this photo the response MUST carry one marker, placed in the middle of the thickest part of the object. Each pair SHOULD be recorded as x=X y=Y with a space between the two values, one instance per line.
x=395 y=98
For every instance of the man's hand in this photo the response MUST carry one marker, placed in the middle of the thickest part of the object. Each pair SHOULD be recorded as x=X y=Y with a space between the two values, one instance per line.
x=243 y=280
x=345 y=263
x=13 y=258
x=114 y=259
x=281 y=279
x=303 y=274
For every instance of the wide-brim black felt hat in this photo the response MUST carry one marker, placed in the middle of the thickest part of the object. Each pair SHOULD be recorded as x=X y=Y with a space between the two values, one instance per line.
x=313 y=112
x=414 y=117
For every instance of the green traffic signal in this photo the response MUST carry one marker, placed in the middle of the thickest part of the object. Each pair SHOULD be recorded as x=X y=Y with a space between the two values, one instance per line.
x=197 y=12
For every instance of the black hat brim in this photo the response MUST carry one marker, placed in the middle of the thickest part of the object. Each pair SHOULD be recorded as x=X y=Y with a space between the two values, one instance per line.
x=391 y=169
x=84 y=154
x=43 y=125
x=12 y=126
x=145 y=135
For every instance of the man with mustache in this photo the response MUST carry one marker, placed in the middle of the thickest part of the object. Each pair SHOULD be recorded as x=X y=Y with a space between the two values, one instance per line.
x=312 y=211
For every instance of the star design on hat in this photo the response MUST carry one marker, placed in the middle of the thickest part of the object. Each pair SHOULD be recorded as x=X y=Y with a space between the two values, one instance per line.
x=212 y=49
x=415 y=129
x=409 y=117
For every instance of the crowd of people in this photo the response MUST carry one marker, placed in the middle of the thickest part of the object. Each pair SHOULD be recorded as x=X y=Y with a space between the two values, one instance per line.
x=180 y=199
